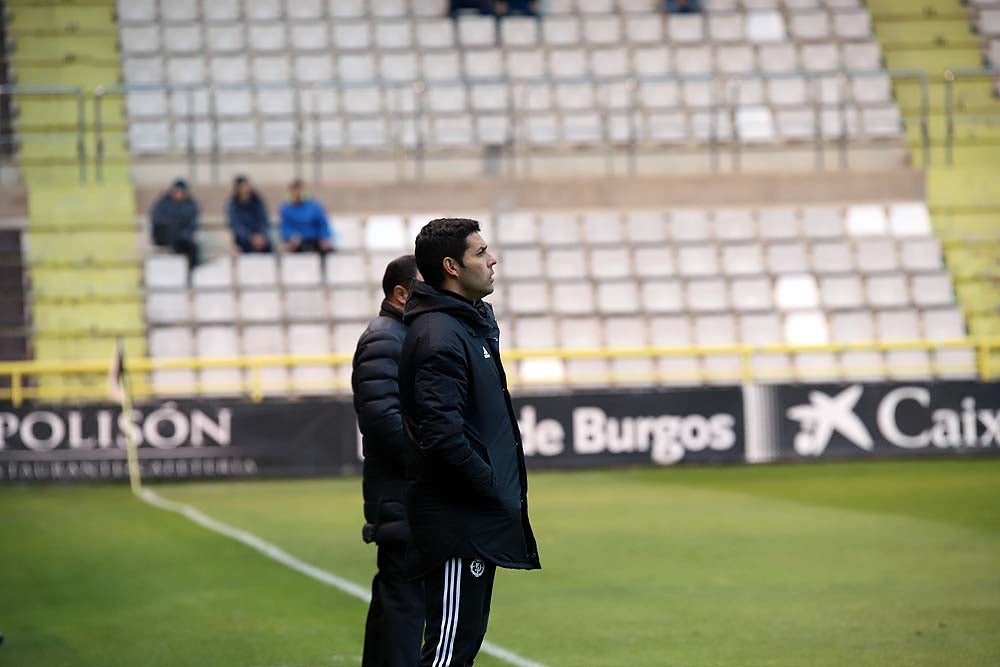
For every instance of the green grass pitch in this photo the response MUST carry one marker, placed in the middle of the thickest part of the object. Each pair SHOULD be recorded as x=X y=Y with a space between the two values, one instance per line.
x=873 y=564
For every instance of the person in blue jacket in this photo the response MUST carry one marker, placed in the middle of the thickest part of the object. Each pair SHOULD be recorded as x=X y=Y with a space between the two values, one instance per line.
x=247 y=214
x=304 y=227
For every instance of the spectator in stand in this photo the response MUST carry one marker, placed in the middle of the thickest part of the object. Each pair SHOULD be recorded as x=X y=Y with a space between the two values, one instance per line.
x=498 y=8
x=175 y=221
x=247 y=214
x=484 y=7
x=516 y=8
x=683 y=6
x=304 y=227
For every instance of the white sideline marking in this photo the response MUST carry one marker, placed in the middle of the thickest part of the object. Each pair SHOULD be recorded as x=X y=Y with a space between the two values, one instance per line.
x=278 y=554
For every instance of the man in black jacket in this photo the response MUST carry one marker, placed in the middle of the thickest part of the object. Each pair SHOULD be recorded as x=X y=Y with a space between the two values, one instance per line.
x=396 y=614
x=468 y=505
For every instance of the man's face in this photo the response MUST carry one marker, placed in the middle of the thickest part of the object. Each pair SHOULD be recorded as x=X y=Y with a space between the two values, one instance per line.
x=295 y=192
x=476 y=277
x=178 y=194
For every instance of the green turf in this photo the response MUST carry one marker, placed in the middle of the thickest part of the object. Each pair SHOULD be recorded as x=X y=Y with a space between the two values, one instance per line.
x=851 y=564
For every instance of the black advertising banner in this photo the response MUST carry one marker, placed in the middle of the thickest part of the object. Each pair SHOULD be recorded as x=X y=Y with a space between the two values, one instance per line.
x=231 y=438
x=178 y=440
x=857 y=421
x=612 y=429
x=218 y=439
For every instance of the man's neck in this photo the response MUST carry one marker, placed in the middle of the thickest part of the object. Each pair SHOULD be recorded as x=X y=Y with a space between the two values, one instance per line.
x=455 y=293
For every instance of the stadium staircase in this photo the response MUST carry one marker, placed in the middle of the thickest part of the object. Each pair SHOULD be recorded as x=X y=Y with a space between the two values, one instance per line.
x=81 y=246
x=936 y=36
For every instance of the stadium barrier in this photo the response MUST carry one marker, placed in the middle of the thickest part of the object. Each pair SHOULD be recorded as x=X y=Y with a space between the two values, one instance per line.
x=720 y=425
x=736 y=364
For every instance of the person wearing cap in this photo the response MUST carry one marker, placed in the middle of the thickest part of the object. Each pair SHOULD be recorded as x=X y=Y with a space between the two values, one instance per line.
x=174 y=220
x=304 y=227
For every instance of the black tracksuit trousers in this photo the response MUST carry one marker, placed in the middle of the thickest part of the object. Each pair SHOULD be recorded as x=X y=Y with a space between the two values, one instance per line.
x=396 y=614
x=458 y=610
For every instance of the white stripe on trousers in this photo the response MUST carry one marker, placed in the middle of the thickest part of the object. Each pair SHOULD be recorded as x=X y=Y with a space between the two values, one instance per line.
x=449 y=613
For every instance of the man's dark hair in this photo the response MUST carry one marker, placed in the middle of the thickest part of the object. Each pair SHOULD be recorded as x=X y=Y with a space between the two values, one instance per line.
x=444 y=237
x=237 y=182
x=400 y=271
x=297 y=183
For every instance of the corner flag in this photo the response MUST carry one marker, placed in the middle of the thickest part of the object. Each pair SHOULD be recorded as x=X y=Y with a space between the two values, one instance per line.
x=118 y=390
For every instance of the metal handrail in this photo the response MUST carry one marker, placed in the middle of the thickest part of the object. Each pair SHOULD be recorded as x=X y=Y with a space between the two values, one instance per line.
x=81 y=120
x=951 y=78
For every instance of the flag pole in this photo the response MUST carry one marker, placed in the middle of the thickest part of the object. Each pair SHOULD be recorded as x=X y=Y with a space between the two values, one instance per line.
x=119 y=387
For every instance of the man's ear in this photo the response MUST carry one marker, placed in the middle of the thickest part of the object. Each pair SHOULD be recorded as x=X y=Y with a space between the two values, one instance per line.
x=450 y=266
x=400 y=293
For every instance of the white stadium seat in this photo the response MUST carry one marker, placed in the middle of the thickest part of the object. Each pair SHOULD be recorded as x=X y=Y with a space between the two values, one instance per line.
x=796 y=291
x=932 y=289
x=662 y=296
x=168 y=308
x=840 y=292
x=876 y=254
x=573 y=298
x=751 y=294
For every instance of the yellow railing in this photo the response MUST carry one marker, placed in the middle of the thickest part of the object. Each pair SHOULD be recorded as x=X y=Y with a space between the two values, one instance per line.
x=87 y=380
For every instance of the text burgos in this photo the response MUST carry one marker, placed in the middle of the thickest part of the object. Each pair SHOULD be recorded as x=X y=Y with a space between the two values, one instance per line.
x=666 y=437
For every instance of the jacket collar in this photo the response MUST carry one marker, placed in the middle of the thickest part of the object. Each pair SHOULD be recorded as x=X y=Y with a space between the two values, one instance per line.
x=426 y=299
x=388 y=309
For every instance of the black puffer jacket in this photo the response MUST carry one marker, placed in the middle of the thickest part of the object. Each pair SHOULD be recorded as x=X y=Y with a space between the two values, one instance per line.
x=386 y=447
x=470 y=495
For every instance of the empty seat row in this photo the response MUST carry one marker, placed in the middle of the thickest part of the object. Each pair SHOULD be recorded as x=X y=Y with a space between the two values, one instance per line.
x=262 y=305
x=759 y=329
x=169 y=272
x=680 y=331
x=493 y=64
x=749 y=124
x=227 y=341
x=683 y=370
x=684 y=225
x=807 y=328
x=383 y=233
x=569 y=296
x=483 y=32
x=873 y=257
x=145 y=11
x=579 y=296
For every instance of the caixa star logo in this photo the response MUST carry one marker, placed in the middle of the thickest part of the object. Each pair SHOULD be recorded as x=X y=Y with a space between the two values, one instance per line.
x=825 y=415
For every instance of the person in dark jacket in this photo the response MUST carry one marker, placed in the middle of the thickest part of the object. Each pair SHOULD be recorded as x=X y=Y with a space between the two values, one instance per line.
x=175 y=220
x=247 y=215
x=396 y=614
x=468 y=504
x=304 y=227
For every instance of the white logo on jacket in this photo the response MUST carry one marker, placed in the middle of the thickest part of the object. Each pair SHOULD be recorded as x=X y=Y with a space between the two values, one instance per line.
x=477 y=567
x=486 y=353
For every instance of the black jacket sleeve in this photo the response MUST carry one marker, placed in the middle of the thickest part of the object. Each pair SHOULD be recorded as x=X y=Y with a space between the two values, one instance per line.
x=440 y=392
x=376 y=389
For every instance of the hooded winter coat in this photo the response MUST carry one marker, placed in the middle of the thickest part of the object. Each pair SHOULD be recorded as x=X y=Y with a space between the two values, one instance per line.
x=386 y=448
x=469 y=498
